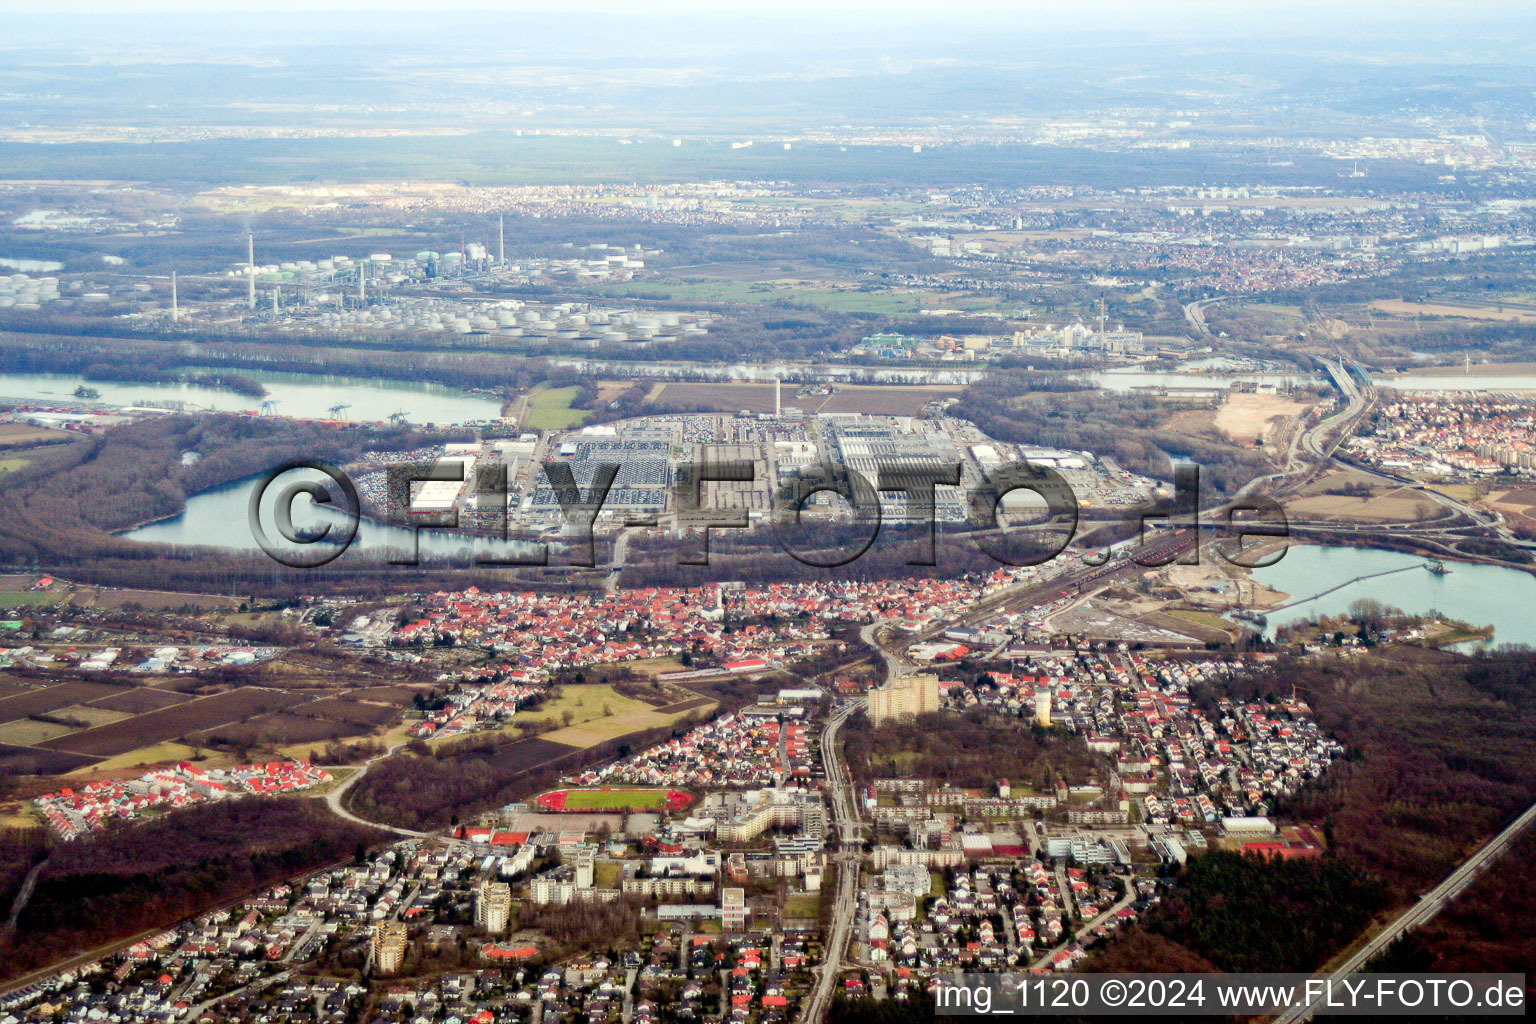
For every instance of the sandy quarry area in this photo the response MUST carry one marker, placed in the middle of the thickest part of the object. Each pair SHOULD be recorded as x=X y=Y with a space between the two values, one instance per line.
x=1249 y=417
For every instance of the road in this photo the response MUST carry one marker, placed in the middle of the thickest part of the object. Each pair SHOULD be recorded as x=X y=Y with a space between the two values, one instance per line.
x=1044 y=961
x=22 y=896
x=336 y=798
x=894 y=665
x=616 y=563
x=258 y=985
x=1427 y=907
x=849 y=859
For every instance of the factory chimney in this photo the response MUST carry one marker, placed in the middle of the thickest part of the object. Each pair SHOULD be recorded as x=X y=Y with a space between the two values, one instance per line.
x=362 y=281
x=250 y=271
x=501 y=244
x=777 y=387
x=175 y=310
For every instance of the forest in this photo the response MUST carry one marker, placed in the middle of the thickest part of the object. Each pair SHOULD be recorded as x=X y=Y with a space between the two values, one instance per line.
x=1440 y=756
x=1247 y=914
x=150 y=875
x=1438 y=760
x=1486 y=928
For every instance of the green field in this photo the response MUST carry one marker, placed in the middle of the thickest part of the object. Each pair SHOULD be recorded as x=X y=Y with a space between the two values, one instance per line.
x=20 y=598
x=551 y=409
x=616 y=800
x=11 y=465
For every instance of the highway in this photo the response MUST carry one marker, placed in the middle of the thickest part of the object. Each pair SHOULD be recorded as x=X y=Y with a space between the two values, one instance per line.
x=1194 y=312
x=849 y=860
x=1427 y=907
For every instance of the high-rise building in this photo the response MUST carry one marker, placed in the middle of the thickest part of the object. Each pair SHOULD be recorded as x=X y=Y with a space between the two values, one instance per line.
x=584 y=860
x=386 y=950
x=493 y=906
x=733 y=910
x=905 y=697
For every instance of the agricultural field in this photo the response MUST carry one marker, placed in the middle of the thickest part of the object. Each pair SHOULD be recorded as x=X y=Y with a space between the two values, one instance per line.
x=24 y=435
x=141 y=699
x=1403 y=504
x=389 y=694
x=76 y=724
x=1493 y=311
x=279 y=728
x=684 y=706
x=352 y=712
x=26 y=760
x=29 y=732
x=884 y=400
x=712 y=397
x=91 y=715
x=51 y=698
x=152 y=600
x=174 y=722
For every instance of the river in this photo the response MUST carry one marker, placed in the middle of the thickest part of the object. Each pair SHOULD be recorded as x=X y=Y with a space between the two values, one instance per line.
x=1457 y=382
x=1481 y=595
x=1126 y=379
x=682 y=370
x=1122 y=379
x=308 y=396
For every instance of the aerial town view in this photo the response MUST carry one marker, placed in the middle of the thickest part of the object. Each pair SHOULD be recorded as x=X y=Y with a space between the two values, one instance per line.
x=657 y=514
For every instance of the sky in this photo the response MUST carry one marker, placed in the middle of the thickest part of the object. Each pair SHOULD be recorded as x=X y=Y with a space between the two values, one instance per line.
x=1079 y=12
x=1341 y=26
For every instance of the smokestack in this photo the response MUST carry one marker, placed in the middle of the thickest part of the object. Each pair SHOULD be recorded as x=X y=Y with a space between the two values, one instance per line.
x=501 y=244
x=776 y=391
x=362 y=279
x=274 y=299
x=250 y=271
x=175 y=310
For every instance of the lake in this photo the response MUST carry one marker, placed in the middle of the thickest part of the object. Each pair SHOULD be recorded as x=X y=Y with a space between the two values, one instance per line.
x=219 y=518
x=308 y=396
x=1478 y=594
